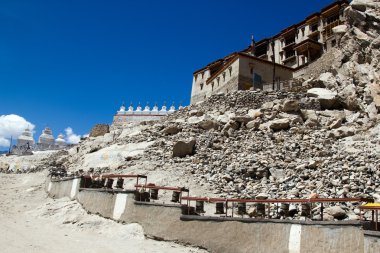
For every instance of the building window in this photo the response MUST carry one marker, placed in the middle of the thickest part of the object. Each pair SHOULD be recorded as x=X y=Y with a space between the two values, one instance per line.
x=303 y=31
x=314 y=27
x=230 y=70
x=212 y=86
x=195 y=77
x=218 y=80
x=224 y=76
x=203 y=74
x=201 y=86
x=333 y=43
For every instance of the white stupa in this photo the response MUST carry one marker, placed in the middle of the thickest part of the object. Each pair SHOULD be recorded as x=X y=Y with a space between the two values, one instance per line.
x=25 y=138
x=163 y=109
x=60 y=141
x=155 y=108
x=172 y=108
x=46 y=137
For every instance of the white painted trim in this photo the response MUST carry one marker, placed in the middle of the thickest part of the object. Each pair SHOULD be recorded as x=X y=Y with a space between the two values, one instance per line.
x=295 y=239
x=74 y=188
x=120 y=203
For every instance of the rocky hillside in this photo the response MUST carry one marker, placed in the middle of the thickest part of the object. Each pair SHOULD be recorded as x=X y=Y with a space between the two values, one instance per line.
x=354 y=75
x=322 y=138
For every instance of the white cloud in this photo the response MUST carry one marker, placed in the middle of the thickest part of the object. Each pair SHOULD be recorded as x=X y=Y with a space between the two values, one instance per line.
x=12 y=125
x=71 y=137
x=4 y=142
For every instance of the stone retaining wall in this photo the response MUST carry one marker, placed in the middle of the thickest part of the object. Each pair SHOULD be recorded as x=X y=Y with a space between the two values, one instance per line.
x=220 y=234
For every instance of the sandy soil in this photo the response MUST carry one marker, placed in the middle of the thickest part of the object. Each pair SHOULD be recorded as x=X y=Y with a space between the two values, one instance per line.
x=32 y=222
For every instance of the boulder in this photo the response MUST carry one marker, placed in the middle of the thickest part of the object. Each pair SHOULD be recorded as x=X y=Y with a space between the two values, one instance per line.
x=182 y=148
x=327 y=98
x=99 y=130
x=231 y=125
x=267 y=106
x=195 y=119
x=170 y=130
x=255 y=113
x=328 y=80
x=279 y=124
x=337 y=212
x=262 y=196
x=254 y=124
x=372 y=111
x=360 y=5
x=290 y=106
x=196 y=113
x=208 y=124
x=227 y=177
x=335 y=124
x=342 y=132
x=340 y=29
x=242 y=119
x=294 y=118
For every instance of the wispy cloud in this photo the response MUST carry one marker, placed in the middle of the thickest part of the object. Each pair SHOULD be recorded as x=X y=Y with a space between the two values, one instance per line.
x=12 y=125
x=71 y=137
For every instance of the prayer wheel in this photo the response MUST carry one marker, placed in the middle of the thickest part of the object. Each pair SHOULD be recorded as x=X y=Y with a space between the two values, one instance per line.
x=260 y=209
x=219 y=206
x=242 y=208
x=109 y=183
x=284 y=209
x=187 y=210
x=175 y=196
x=199 y=206
x=120 y=183
x=305 y=209
x=154 y=193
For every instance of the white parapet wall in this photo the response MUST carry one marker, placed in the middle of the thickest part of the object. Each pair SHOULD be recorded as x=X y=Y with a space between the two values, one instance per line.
x=220 y=234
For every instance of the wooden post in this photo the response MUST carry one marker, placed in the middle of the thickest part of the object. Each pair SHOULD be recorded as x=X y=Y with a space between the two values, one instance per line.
x=321 y=211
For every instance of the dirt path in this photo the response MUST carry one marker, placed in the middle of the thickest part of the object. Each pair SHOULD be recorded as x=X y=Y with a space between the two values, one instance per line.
x=31 y=222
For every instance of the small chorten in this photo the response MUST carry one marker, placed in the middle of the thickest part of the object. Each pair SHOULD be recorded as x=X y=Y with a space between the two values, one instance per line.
x=138 y=109
x=155 y=107
x=25 y=138
x=163 y=109
x=122 y=109
x=60 y=141
x=147 y=108
x=172 y=108
x=180 y=106
x=130 y=108
x=46 y=137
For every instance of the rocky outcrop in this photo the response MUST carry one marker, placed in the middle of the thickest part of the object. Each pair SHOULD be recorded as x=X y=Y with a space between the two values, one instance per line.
x=183 y=149
x=354 y=77
x=99 y=130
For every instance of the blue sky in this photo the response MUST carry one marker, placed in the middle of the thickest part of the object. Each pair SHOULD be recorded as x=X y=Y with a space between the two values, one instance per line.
x=72 y=63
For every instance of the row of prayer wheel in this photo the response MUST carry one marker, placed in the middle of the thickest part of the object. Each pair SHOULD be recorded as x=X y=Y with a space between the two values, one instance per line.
x=101 y=183
x=242 y=209
x=153 y=194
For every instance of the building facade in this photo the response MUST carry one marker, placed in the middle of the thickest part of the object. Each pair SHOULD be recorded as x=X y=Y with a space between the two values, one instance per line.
x=271 y=62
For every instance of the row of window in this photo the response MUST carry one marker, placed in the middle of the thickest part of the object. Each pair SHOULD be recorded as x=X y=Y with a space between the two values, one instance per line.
x=218 y=79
